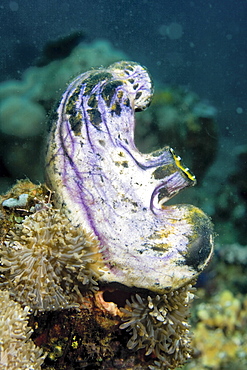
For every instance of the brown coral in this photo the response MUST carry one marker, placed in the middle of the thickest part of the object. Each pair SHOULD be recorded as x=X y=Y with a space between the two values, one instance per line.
x=17 y=351
x=159 y=324
x=45 y=258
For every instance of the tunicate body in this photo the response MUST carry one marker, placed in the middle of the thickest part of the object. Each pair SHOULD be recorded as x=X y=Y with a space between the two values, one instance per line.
x=112 y=190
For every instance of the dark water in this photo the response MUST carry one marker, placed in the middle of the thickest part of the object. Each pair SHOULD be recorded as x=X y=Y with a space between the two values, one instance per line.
x=200 y=44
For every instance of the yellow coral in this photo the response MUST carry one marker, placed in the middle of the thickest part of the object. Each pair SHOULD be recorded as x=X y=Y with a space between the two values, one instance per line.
x=224 y=313
x=220 y=334
x=213 y=346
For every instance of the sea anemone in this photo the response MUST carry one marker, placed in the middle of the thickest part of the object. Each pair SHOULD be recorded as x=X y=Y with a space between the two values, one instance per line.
x=17 y=350
x=160 y=325
x=44 y=260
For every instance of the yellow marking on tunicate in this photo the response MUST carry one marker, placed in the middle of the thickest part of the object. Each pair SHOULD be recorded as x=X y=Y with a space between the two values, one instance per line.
x=178 y=163
x=159 y=239
x=75 y=344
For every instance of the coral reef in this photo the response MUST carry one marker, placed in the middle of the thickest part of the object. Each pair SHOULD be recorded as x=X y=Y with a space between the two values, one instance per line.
x=20 y=201
x=230 y=263
x=233 y=254
x=219 y=339
x=17 y=351
x=25 y=104
x=60 y=48
x=179 y=118
x=102 y=252
x=176 y=117
x=160 y=325
x=44 y=258
x=89 y=333
x=231 y=202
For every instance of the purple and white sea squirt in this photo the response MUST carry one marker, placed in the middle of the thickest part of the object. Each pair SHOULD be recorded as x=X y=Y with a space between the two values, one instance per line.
x=118 y=194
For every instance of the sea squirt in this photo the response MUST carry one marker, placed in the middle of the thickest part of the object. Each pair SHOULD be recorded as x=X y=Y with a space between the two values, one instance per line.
x=118 y=194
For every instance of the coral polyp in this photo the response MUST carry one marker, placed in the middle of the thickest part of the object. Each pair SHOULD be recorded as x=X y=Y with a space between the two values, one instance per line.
x=17 y=351
x=45 y=258
x=160 y=325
